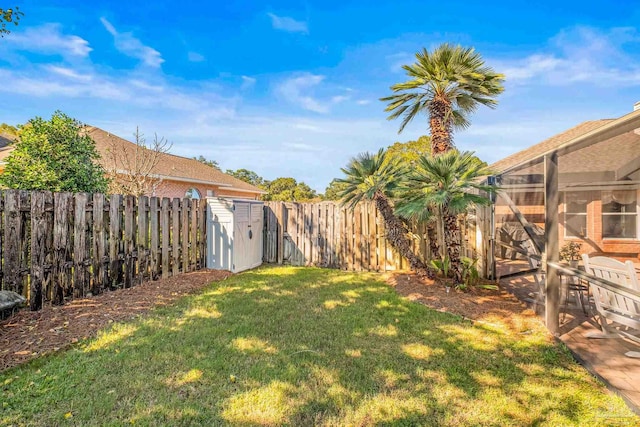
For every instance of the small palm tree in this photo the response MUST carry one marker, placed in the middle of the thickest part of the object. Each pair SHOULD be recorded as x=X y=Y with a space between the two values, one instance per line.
x=374 y=177
x=447 y=184
x=448 y=84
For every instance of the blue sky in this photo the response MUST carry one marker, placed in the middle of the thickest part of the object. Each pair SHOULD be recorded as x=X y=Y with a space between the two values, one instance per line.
x=293 y=88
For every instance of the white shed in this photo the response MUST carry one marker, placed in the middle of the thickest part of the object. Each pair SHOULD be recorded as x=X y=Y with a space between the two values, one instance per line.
x=234 y=234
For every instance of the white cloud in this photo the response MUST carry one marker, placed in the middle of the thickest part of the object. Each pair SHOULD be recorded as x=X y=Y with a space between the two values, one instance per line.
x=300 y=91
x=579 y=55
x=195 y=57
x=339 y=98
x=247 y=82
x=286 y=23
x=363 y=101
x=49 y=39
x=69 y=73
x=301 y=146
x=127 y=44
x=295 y=91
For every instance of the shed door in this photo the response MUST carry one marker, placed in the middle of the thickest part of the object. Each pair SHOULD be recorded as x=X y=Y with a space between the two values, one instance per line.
x=242 y=233
x=221 y=245
x=257 y=221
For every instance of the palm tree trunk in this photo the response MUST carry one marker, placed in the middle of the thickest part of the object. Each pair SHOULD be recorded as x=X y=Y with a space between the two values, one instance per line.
x=440 y=126
x=432 y=235
x=452 y=242
x=396 y=234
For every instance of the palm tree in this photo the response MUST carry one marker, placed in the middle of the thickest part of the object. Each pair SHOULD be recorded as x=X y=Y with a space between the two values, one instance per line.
x=374 y=177
x=448 y=84
x=447 y=184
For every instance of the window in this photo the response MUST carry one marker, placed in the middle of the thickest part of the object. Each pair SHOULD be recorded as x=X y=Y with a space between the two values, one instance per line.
x=192 y=193
x=575 y=214
x=619 y=214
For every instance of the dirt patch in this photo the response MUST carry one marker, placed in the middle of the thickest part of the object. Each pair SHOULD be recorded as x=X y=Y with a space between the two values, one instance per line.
x=28 y=334
x=477 y=304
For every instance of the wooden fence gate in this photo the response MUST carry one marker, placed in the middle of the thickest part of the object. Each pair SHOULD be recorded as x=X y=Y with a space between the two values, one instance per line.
x=328 y=235
x=56 y=246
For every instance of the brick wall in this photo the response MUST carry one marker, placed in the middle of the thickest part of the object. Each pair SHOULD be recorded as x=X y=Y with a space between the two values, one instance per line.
x=168 y=188
x=593 y=243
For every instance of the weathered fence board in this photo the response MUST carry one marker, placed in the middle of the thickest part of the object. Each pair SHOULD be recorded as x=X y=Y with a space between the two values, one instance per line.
x=154 y=225
x=165 y=225
x=143 y=238
x=115 y=241
x=328 y=235
x=99 y=244
x=54 y=247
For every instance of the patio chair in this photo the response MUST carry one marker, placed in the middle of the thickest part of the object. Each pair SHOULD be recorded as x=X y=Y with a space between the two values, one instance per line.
x=620 y=304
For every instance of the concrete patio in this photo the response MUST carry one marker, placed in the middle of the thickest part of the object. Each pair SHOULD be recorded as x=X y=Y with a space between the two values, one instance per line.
x=604 y=358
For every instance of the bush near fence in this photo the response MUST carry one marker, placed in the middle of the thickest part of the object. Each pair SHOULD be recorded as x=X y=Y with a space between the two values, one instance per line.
x=58 y=246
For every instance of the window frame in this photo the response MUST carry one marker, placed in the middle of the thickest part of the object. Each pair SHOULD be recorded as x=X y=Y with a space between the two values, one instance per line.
x=193 y=190
x=585 y=214
x=636 y=214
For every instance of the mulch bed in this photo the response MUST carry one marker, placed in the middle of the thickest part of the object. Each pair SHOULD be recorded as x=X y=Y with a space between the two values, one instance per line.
x=475 y=304
x=29 y=334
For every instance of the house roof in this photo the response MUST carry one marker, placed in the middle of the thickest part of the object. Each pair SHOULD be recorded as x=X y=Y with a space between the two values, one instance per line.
x=5 y=146
x=547 y=145
x=169 y=166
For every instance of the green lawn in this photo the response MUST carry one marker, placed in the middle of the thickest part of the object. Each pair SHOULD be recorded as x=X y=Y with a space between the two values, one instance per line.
x=306 y=346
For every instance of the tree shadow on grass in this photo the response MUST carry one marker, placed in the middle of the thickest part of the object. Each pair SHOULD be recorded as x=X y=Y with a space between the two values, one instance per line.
x=304 y=346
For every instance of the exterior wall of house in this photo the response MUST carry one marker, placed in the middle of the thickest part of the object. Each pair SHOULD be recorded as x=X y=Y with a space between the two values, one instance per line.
x=593 y=243
x=171 y=189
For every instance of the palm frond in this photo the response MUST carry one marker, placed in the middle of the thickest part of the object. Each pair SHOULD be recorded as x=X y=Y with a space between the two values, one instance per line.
x=459 y=74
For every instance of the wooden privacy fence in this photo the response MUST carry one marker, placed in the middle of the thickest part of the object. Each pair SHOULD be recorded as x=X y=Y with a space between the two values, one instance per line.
x=328 y=235
x=56 y=246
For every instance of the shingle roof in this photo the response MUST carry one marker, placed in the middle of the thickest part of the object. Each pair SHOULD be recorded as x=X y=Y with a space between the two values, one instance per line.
x=547 y=145
x=5 y=146
x=169 y=165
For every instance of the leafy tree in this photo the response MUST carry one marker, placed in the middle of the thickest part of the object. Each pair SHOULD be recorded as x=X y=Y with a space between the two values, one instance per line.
x=373 y=177
x=213 y=163
x=54 y=155
x=409 y=152
x=333 y=191
x=248 y=176
x=8 y=16
x=447 y=184
x=448 y=84
x=288 y=189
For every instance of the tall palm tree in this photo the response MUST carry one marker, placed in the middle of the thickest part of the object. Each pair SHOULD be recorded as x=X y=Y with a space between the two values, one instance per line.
x=448 y=84
x=447 y=184
x=374 y=177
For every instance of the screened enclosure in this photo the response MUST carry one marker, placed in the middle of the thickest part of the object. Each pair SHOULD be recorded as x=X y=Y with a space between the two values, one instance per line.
x=575 y=193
